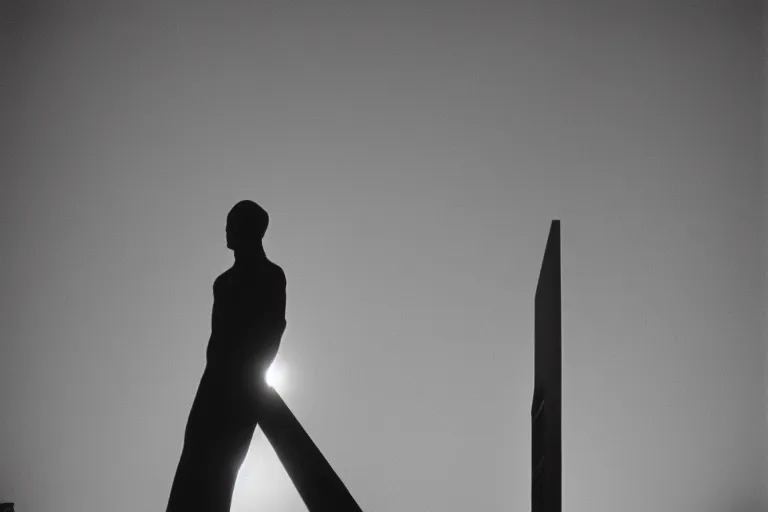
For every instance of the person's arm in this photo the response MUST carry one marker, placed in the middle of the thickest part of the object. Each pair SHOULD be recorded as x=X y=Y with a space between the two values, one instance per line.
x=213 y=349
x=216 y=309
x=269 y=331
x=274 y=338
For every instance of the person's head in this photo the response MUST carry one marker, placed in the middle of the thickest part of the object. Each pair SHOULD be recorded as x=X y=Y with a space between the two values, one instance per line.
x=246 y=224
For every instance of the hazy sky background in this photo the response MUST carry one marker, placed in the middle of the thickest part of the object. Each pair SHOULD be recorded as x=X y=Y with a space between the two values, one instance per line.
x=764 y=187
x=412 y=156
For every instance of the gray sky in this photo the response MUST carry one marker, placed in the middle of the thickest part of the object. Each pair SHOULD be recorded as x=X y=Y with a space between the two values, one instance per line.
x=412 y=158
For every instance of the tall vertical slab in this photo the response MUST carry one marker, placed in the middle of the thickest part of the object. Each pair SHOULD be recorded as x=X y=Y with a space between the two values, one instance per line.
x=546 y=459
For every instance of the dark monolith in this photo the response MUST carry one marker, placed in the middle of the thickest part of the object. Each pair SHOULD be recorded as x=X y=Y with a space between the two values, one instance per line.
x=546 y=458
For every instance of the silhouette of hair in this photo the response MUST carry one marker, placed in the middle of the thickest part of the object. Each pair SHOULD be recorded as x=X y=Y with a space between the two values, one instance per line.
x=246 y=224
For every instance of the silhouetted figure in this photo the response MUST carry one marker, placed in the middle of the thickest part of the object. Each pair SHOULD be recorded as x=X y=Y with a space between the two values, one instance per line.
x=248 y=321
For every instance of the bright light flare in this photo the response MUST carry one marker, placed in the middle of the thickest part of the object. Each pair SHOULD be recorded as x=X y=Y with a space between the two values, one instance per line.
x=275 y=376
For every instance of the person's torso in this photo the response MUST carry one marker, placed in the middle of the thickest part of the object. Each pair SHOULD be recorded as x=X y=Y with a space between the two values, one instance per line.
x=249 y=309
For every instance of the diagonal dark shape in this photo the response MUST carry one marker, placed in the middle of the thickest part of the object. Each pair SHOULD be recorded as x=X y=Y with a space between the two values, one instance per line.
x=546 y=456
x=319 y=486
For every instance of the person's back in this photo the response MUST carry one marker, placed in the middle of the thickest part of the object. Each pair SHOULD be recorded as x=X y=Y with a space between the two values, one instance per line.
x=247 y=324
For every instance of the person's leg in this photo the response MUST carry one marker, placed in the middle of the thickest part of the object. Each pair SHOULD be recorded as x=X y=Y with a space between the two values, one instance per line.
x=229 y=452
x=190 y=483
x=217 y=438
x=204 y=478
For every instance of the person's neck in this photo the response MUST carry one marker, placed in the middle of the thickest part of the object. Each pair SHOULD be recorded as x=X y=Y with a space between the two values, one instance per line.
x=249 y=256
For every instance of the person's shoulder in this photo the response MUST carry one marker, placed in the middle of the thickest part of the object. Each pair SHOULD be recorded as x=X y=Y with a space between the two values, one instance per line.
x=222 y=280
x=277 y=273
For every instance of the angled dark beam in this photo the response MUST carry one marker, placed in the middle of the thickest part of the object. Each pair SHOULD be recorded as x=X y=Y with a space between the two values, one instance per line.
x=319 y=486
x=546 y=456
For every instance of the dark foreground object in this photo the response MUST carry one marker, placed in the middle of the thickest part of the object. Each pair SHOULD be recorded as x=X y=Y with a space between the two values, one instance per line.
x=546 y=458
x=247 y=324
x=216 y=468
x=318 y=484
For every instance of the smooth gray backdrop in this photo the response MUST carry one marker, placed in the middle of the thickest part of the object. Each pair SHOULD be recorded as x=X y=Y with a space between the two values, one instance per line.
x=412 y=155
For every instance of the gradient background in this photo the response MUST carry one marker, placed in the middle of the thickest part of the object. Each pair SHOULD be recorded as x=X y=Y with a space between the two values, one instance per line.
x=412 y=156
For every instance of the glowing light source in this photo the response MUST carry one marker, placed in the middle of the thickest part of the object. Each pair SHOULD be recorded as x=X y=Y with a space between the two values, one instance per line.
x=275 y=376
